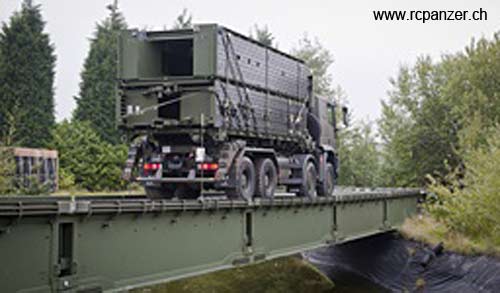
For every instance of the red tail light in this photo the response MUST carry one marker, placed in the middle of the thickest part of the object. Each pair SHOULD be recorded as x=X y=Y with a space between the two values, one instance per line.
x=208 y=166
x=152 y=166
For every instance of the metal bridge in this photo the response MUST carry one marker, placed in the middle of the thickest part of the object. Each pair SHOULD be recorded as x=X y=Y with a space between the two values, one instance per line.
x=114 y=243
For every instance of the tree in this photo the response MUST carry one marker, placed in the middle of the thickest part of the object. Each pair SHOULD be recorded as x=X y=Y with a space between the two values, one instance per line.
x=470 y=203
x=96 y=100
x=183 y=21
x=432 y=104
x=90 y=162
x=359 y=156
x=262 y=35
x=26 y=79
x=319 y=59
x=7 y=167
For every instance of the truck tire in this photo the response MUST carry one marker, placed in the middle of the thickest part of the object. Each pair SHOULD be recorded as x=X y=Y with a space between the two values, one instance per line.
x=160 y=191
x=309 y=177
x=267 y=178
x=245 y=180
x=328 y=183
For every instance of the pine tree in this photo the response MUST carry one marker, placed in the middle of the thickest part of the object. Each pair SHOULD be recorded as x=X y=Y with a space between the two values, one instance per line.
x=96 y=100
x=26 y=79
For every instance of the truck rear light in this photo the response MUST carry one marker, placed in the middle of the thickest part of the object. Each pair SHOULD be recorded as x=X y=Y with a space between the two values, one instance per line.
x=208 y=166
x=152 y=166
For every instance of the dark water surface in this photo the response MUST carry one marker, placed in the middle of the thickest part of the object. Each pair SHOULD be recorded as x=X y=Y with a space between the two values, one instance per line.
x=389 y=263
x=350 y=282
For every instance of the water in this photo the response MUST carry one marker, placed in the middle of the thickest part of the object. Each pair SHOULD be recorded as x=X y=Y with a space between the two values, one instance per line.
x=349 y=282
x=401 y=265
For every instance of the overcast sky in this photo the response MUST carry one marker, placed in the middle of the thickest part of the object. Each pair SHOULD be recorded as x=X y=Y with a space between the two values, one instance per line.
x=366 y=52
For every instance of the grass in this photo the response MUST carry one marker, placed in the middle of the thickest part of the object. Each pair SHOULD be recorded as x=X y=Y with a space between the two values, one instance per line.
x=426 y=229
x=133 y=190
x=289 y=274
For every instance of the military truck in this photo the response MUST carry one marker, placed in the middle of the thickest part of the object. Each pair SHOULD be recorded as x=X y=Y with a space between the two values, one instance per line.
x=210 y=109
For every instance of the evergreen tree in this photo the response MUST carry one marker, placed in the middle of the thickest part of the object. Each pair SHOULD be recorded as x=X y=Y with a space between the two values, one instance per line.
x=263 y=35
x=87 y=160
x=184 y=20
x=26 y=79
x=96 y=100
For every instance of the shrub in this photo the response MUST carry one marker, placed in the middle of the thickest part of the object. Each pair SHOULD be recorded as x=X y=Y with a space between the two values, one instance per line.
x=86 y=160
x=470 y=203
x=7 y=168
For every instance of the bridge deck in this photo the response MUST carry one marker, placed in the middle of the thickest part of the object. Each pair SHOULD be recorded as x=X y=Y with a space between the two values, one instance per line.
x=120 y=242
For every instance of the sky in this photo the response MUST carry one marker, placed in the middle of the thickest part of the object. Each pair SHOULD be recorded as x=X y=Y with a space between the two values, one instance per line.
x=366 y=52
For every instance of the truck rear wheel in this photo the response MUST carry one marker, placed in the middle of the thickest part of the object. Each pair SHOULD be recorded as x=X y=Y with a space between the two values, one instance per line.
x=245 y=180
x=267 y=178
x=329 y=181
x=309 y=177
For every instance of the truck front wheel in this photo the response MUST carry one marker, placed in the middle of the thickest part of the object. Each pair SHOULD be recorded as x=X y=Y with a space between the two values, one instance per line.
x=328 y=183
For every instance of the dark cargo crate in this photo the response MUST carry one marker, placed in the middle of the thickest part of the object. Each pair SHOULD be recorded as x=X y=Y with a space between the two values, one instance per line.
x=211 y=51
x=255 y=112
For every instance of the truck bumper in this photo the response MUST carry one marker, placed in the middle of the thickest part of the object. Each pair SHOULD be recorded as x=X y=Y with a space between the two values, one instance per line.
x=177 y=180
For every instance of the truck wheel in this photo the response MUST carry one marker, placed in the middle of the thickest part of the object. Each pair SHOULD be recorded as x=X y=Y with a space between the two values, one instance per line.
x=159 y=192
x=309 y=177
x=245 y=180
x=329 y=181
x=267 y=178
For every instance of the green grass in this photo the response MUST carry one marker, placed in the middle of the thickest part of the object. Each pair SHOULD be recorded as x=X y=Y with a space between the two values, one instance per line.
x=289 y=274
x=428 y=230
x=134 y=190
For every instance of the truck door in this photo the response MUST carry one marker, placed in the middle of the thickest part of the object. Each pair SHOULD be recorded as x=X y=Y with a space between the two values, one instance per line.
x=327 y=117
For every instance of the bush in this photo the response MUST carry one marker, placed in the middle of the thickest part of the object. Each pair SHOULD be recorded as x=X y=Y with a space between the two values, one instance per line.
x=31 y=185
x=469 y=202
x=87 y=161
x=7 y=168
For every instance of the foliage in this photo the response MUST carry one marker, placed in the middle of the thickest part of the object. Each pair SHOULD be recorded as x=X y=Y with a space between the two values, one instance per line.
x=183 y=20
x=470 y=202
x=319 y=59
x=96 y=100
x=281 y=275
x=31 y=185
x=26 y=79
x=66 y=179
x=358 y=155
x=426 y=229
x=86 y=159
x=431 y=104
x=7 y=167
x=263 y=35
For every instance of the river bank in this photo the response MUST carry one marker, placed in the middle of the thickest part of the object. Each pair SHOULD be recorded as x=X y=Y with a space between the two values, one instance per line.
x=289 y=274
x=401 y=265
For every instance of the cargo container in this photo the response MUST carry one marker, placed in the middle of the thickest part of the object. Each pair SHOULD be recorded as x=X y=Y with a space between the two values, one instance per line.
x=210 y=109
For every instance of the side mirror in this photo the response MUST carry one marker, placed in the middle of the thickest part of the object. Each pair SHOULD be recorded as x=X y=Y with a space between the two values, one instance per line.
x=345 y=113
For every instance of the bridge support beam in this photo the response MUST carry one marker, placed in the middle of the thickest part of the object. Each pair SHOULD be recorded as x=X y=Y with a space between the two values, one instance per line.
x=106 y=246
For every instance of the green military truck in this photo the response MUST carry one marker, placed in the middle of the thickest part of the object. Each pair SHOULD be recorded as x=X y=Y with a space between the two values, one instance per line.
x=210 y=109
